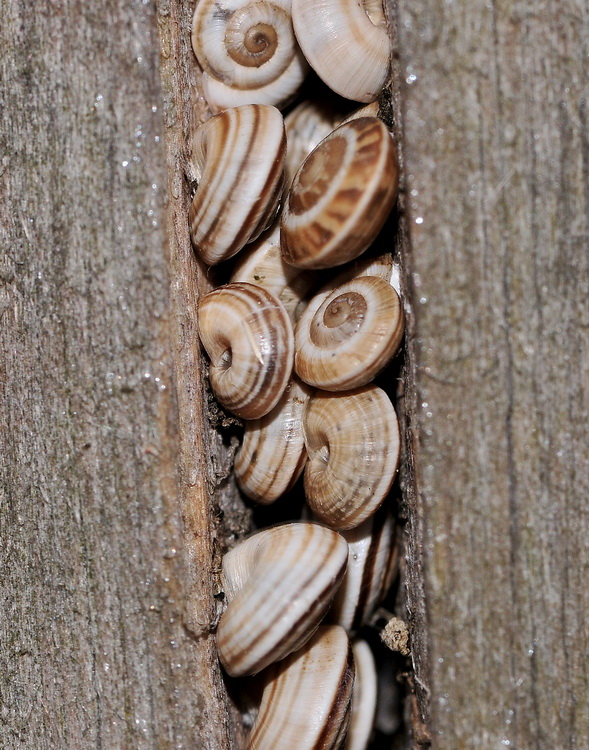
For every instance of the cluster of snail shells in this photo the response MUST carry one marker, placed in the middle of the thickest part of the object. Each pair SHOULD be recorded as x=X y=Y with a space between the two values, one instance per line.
x=294 y=356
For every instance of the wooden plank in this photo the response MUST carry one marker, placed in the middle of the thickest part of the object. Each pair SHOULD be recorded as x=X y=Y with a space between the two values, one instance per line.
x=497 y=166
x=107 y=614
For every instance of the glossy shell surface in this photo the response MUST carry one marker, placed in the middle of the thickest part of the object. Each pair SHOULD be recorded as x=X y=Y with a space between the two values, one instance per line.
x=341 y=196
x=279 y=584
x=248 y=337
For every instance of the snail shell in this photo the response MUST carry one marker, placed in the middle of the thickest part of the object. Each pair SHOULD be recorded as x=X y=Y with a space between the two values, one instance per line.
x=364 y=697
x=272 y=454
x=353 y=443
x=261 y=263
x=341 y=196
x=279 y=584
x=369 y=110
x=306 y=126
x=372 y=564
x=346 y=43
x=306 y=699
x=345 y=338
x=238 y=158
x=248 y=52
x=248 y=337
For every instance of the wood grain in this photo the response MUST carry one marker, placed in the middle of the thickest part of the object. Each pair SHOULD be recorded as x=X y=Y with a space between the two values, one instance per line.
x=496 y=164
x=108 y=497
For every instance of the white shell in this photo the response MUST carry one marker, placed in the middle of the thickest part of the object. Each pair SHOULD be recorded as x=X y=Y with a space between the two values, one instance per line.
x=306 y=699
x=353 y=444
x=238 y=159
x=369 y=110
x=261 y=263
x=272 y=454
x=372 y=564
x=248 y=52
x=364 y=697
x=344 y=46
x=279 y=584
x=248 y=337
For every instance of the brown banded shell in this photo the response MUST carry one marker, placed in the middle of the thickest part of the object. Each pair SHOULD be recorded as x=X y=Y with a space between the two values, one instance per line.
x=353 y=442
x=261 y=263
x=272 y=454
x=347 y=44
x=279 y=584
x=238 y=157
x=341 y=196
x=306 y=126
x=344 y=339
x=372 y=564
x=248 y=52
x=364 y=697
x=307 y=697
x=248 y=337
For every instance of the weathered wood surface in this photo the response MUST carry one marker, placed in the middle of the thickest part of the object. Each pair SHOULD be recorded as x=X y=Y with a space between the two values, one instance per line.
x=111 y=502
x=106 y=613
x=497 y=170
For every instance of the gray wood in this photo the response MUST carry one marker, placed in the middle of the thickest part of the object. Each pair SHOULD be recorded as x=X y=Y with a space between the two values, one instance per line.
x=106 y=612
x=113 y=483
x=496 y=151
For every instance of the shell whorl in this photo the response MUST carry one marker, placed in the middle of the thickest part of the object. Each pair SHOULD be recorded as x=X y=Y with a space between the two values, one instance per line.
x=353 y=445
x=248 y=337
x=272 y=454
x=341 y=196
x=307 y=697
x=238 y=156
x=248 y=52
x=346 y=43
x=261 y=263
x=345 y=338
x=279 y=584
x=372 y=563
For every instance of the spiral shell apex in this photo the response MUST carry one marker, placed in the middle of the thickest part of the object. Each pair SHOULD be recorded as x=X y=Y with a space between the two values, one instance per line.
x=353 y=443
x=249 y=340
x=341 y=196
x=238 y=157
x=248 y=52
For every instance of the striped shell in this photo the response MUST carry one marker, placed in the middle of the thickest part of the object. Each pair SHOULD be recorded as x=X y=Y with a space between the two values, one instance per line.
x=272 y=454
x=238 y=158
x=347 y=44
x=345 y=338
x=364 y=697
x=261 y=263
x=306 y=699
x=341 y=196
x=248 y=52
x=306 y=126
x=353 y=443
x=372 y=564
x=279 y=584
x=248 y=337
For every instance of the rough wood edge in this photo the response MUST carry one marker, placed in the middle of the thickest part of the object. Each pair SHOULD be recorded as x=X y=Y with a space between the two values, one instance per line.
x=412 y=602
x=183 y=110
